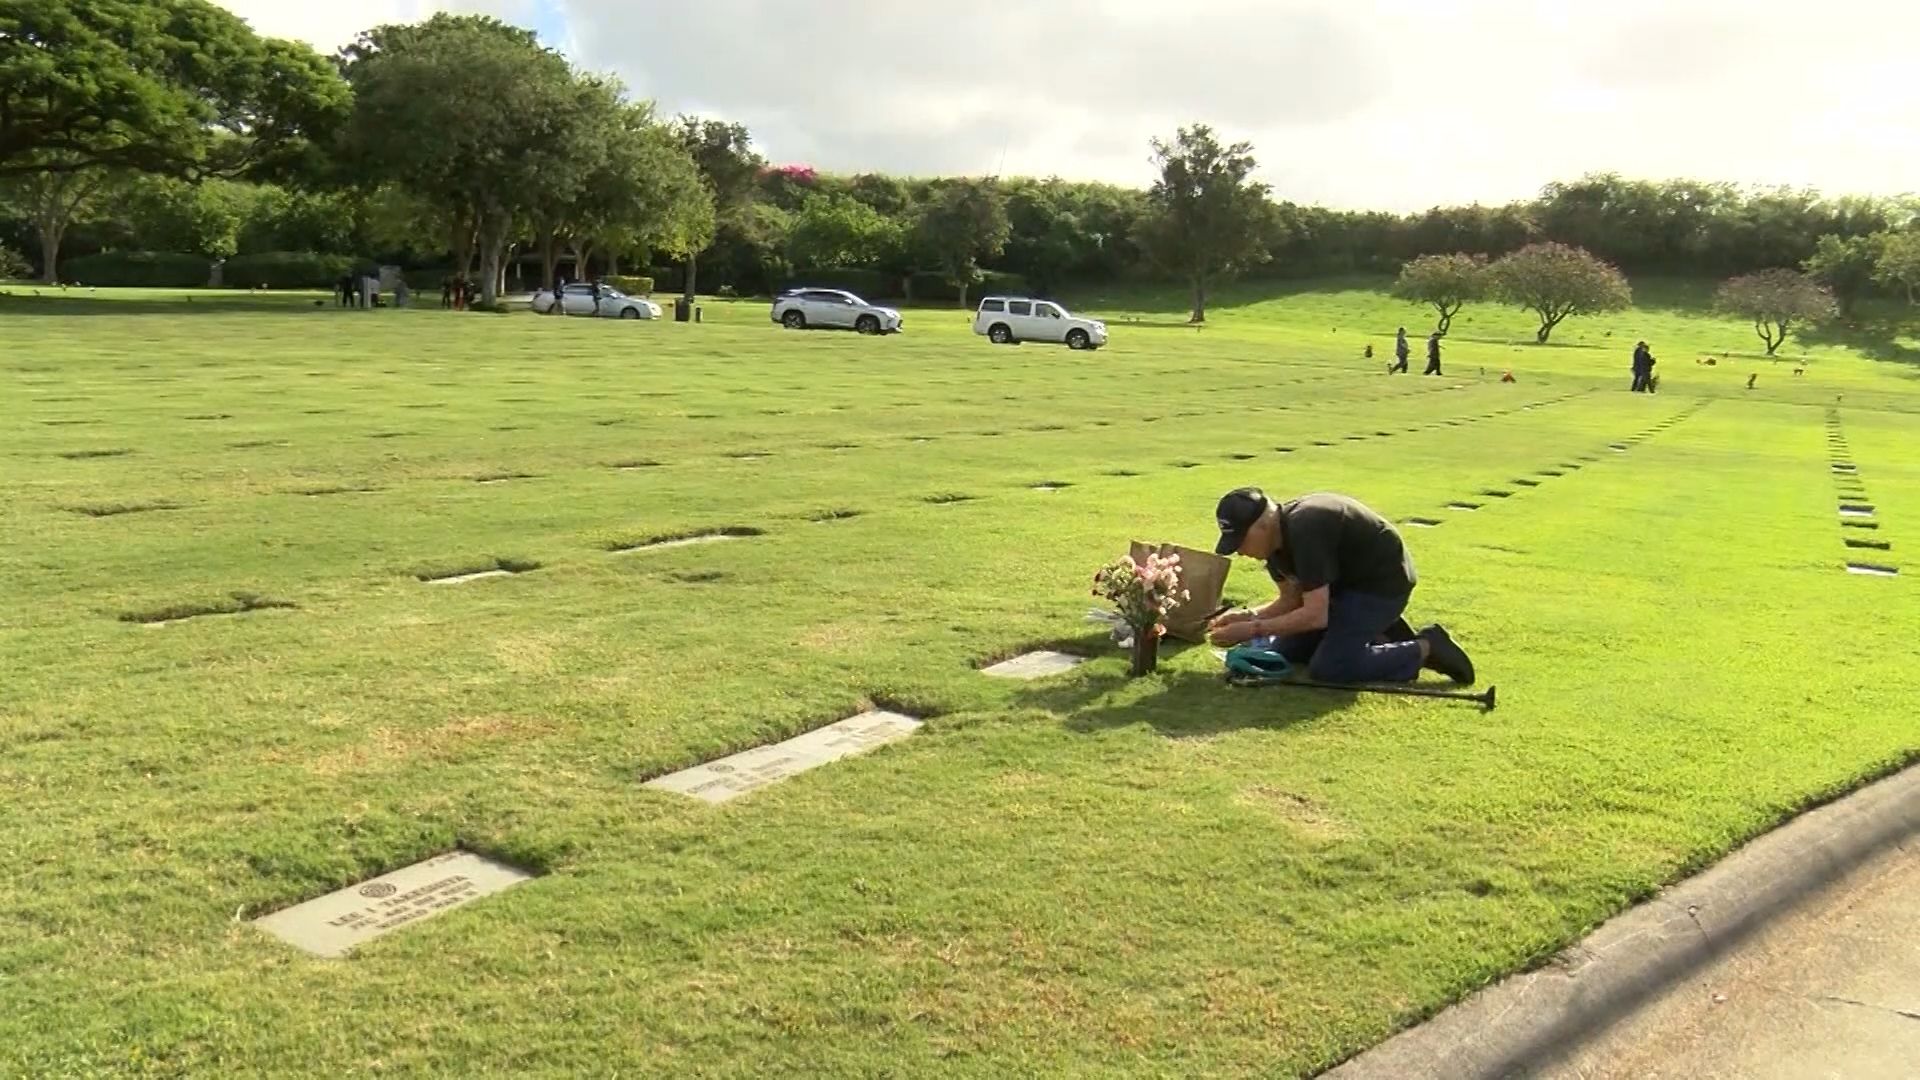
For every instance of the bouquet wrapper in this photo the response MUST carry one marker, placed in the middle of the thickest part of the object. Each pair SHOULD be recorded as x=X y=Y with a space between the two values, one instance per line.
x=1202 y=573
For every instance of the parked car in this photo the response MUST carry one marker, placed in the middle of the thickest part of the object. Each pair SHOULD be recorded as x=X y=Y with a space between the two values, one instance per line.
x=1007 y=319
x=579 y=299
x=833 y=309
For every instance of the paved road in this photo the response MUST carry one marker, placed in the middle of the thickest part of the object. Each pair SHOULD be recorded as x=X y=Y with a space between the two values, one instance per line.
x=1830 y=989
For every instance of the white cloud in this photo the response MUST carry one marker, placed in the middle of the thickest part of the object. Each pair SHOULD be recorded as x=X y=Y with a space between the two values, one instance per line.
x=1394 y=104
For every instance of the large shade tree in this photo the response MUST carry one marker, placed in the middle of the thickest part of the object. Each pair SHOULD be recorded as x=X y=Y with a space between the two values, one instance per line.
x=182 y=87
x=475 y=117
x=1206 y=216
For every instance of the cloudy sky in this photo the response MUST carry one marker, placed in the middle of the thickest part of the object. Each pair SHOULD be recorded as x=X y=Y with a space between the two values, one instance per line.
x=1388 y=104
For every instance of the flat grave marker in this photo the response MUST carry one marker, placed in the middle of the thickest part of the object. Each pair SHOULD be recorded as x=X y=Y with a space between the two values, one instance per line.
x=749 y=770
x=1872 y=570
x=331 y=925
x=1034 y=665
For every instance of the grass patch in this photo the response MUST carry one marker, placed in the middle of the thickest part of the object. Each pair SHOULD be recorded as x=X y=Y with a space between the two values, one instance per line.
x=156 y=782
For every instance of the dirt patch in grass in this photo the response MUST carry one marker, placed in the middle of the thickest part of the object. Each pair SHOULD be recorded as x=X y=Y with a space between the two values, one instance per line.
x=684 y=538
x=256 y=444
x=1186 y=464
x=1298 y=811
x=1528 y=483
x=209 y=416
x=1053 y=485
x=502 y=477
x=101 y=510
x=387 y=747
x=71 y=423
x=391 y=434
x=610 y=421
x=238 y=603
x=444 y=572
x=947 y=498
x=89 y=455
x=1424 y=522
x=1876 y=545
x=635 y=463
x=1497 y=493
x=697 y=577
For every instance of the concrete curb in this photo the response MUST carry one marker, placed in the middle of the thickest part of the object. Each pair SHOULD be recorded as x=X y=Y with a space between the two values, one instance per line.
x=1526 y=1023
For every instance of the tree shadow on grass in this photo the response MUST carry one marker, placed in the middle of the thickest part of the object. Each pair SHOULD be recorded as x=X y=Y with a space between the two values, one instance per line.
x=1872 y=332
x=1187 y=704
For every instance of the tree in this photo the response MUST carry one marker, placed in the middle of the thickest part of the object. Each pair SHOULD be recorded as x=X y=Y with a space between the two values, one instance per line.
x=729 y=166
x=838 y=230
x=1447 y=282
x=52 y=201
x=165 y=214
x=965 y=223
x=1899 y=263
x=476 y=117
x=1775 y=300
x=1555 y=281
x=1205 y=214
x=1845 y=265
x=181 y=87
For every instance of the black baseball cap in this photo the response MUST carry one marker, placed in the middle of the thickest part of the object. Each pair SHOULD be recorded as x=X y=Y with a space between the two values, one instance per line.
x=1237 y=512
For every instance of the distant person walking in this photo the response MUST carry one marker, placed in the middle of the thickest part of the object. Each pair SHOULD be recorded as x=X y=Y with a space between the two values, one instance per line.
x=559 y=305
x=1433 y=354
x=1400 y=353
x=446 y=294
x=1642 y=369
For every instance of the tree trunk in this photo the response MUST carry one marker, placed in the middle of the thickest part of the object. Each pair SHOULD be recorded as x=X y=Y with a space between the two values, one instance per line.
x=1199 y=301
x=1546 y=331
x=51 y=233
x=493 y=246
x=1446 y=319
x=963 y=295
x=693 y=265
x=549 y=260
x=613 y=264
x=906 y=286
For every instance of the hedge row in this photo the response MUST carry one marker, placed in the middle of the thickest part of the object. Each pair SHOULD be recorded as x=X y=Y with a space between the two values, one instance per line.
x=142 y=269
x=630 y=284
x=289 y=270
x=926 y=286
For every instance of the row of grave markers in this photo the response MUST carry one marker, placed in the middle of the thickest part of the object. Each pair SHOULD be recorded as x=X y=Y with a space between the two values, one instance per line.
x=1856 y=512
x=1562 y=469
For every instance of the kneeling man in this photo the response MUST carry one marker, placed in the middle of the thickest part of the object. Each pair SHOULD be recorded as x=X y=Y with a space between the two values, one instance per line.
x=1344 y=577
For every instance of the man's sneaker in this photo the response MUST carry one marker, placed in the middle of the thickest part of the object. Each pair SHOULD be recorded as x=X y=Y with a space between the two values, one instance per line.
x=1445 y=657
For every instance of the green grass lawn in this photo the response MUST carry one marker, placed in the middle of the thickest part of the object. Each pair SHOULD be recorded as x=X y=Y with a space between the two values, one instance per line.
x=1084 y=874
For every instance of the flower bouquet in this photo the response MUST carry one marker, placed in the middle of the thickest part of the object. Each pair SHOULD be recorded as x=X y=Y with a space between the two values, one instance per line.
x=1143 y=592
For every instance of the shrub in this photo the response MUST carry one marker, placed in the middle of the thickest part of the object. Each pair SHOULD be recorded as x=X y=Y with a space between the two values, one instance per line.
x=630 y=284
x=13 y=265
x=148 y=269
x=288 y=270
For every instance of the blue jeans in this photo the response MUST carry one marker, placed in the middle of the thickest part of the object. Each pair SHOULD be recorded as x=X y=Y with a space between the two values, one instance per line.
x=1345 y=651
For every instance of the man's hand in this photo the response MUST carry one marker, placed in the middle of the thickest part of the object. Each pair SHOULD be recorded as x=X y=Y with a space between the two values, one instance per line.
x=1227 y=632
x=1230 y=617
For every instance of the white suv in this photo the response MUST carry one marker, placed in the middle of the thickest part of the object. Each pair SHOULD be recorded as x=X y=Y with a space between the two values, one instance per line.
x=1007 y=319
x=832 y=309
